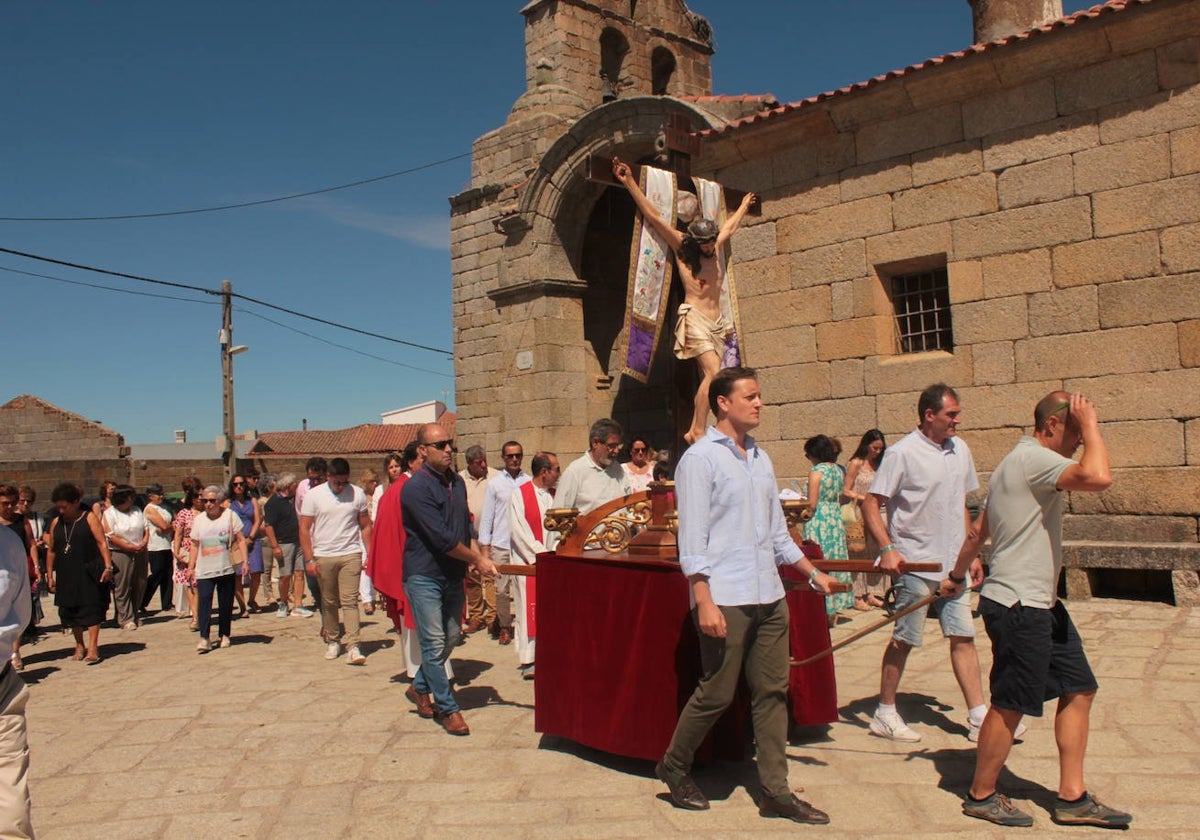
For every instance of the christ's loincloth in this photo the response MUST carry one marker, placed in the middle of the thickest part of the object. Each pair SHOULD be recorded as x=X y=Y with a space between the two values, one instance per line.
x=697 y=334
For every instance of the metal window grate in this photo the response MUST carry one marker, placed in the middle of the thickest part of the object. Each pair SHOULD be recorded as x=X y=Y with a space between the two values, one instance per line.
x=922 y=304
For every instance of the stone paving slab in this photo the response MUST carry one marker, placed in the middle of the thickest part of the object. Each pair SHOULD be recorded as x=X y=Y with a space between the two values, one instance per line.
x=268 y=740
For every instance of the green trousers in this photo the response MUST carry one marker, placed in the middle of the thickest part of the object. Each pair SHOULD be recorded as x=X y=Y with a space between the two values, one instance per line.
x=757 y=640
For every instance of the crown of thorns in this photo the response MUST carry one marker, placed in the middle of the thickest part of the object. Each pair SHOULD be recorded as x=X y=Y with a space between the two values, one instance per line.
x=703 y=230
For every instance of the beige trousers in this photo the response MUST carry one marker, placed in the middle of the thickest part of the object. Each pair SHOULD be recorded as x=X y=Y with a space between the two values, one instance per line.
x=339 y=592
x=15 y=804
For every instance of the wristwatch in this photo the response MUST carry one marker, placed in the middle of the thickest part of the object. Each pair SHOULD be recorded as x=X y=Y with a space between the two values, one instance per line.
x=954 y=579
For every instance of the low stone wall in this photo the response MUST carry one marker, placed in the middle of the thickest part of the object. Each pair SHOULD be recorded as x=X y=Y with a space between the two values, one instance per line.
x=1082 y=561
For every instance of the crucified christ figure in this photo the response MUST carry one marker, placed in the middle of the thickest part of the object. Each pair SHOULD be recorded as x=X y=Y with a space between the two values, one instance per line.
x=700 y=328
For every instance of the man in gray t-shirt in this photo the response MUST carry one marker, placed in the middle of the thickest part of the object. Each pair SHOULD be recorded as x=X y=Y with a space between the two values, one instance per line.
x=1036 y=652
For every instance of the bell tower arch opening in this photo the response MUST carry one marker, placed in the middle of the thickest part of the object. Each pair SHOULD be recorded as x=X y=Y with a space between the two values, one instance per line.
x=613 y=48
x=662 y=67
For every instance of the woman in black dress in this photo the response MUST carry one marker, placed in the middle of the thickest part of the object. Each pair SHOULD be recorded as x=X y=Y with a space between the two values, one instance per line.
x=79 y=569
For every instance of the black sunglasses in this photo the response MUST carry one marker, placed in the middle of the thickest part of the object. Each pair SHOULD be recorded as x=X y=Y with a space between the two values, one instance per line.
x=448 y=443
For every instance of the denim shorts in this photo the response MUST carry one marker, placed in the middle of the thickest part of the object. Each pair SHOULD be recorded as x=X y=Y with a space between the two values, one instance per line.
x=954 y=614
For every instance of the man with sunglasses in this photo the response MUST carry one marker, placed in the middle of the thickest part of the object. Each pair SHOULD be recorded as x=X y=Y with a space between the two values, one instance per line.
x=595 y=478
x=494 y=531
x=437 y=554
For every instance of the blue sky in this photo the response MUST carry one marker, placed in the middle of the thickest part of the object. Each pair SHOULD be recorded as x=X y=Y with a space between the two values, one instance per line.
x=137 y=107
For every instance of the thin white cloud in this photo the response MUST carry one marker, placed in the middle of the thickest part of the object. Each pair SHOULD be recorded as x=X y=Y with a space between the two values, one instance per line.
x=431 y=232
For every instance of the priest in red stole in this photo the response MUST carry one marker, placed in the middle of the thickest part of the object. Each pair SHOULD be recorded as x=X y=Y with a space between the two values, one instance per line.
x=527 y=508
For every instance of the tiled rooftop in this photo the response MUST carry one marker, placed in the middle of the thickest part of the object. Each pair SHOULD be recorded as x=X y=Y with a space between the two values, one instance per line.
x=369 y=437
x=1111 y=7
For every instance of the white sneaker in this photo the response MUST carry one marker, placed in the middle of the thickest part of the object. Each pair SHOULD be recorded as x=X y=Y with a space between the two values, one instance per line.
x=333 y=651
x=302 y=612
x=203 y=646
x=281 y=611
x=893 y=728
x=225 y=642
x=973 y=731
x=355 y=657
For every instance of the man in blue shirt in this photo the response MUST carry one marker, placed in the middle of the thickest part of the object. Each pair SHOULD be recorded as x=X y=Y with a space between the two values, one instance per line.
x=437 y=552
x=732 y=539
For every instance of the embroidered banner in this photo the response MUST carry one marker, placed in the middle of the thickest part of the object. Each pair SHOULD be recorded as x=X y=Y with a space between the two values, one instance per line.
x=650 y=268
x=712 y=204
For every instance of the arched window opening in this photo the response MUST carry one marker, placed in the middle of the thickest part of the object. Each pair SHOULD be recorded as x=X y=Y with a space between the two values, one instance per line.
x=613 y=47
x=662 y=67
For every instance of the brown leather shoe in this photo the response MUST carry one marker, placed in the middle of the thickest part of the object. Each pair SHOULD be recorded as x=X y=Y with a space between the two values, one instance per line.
x=423 y=702
x=454 y=724
x=796 y=810
x=684 y=792
x=473 y=626
x=505 y=637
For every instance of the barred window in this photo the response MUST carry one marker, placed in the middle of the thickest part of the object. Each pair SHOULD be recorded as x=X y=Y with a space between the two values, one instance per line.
x=922 y=305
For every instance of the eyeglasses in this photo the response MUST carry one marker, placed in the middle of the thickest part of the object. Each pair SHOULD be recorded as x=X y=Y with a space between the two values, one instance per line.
x=638 y=449
x=613 y=447
x=210 y=501
x=443 y=445
x=517 y=455
x=239 y=484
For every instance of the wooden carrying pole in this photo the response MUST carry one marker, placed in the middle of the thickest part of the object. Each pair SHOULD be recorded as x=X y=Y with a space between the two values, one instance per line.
x=871 y=628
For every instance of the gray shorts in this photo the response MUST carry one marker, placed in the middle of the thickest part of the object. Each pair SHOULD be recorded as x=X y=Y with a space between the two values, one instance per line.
x=954 y=614
x=287 y=563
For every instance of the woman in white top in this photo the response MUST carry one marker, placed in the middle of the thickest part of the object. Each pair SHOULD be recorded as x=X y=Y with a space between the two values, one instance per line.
x=640 y=468
x=127 y=533
x=158 y=549
x=217 y=556
x=869 y=587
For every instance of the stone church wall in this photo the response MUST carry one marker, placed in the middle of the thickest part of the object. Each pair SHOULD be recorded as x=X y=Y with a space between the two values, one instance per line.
x=1063 y=198
x=1056 y=178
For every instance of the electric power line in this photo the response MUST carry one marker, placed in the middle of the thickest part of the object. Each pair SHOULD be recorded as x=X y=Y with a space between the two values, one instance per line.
x=240 y=309
x=215 y=292
x=238 y=205
x=108 y=288
x=253 y=314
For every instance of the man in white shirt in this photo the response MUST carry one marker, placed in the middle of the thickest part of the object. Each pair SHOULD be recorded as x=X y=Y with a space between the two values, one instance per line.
x=481 y=592
x=1037 y=654
x=335 y=527
x=15 y=610
x=924 y=480
x=732 y=540
x=315 y=469
x=596 y=477
x=492 y=530
x=528 y=537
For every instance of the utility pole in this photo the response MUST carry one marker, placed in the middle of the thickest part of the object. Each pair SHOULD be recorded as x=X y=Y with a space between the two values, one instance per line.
x=228 y=453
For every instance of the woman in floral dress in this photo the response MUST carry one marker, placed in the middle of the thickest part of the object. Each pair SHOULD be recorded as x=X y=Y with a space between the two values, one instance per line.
x=825 y=485
x=180 y=546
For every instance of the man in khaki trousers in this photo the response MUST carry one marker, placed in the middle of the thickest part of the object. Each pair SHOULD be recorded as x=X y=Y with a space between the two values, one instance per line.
x=15 y=609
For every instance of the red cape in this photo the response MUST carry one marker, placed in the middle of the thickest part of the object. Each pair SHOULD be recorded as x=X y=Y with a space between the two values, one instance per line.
x=385 y=562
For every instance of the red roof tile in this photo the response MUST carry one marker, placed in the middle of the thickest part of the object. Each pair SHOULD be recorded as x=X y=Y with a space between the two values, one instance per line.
x=369 y=437
x=1109 y=7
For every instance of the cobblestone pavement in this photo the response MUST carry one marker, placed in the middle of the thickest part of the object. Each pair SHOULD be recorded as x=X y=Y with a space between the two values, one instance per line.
x=267 y=739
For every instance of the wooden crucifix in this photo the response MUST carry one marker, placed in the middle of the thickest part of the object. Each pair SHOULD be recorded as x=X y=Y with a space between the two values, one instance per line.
x=707 y=326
